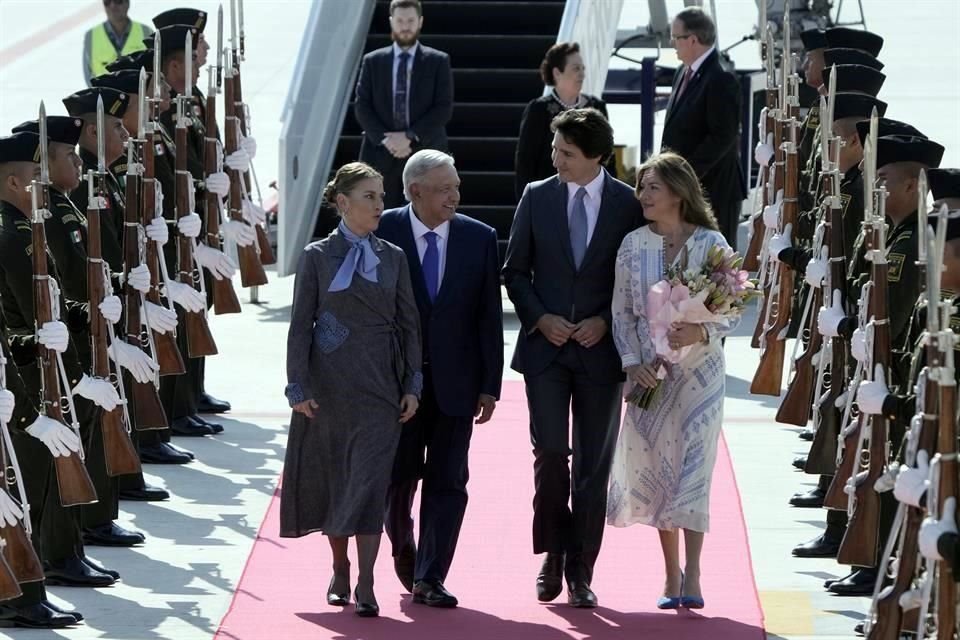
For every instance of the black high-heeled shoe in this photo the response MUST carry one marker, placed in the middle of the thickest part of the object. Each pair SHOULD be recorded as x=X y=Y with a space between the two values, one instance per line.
x=337 y=599
x=365 y=609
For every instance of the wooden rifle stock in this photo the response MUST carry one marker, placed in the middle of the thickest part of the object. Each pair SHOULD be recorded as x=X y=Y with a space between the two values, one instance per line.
x=751 y=260
x=18 y=553
x=822 y=458
x=251 y=268
x=835 y=498
x=263 y=240
x=946 y=445
x=797 y=402
x=120 y=455
x=224 y=296
x=167 y=352
x=9 y=587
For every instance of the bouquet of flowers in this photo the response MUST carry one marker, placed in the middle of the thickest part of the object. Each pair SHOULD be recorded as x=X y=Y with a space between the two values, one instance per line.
x=717 y=292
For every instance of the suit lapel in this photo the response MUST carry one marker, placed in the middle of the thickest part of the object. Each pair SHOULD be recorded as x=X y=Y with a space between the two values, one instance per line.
x=673 y=92
x=456 y=246
x=559 y=205
x=605 y=220
x=409 y=246
x=676 y=102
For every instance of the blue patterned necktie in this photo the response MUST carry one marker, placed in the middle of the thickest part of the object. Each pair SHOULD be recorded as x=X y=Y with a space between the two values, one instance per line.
x=578 y=227
x=400 y=94
x=431 y=265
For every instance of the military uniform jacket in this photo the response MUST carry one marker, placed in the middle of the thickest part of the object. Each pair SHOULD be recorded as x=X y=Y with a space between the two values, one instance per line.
x=24 y=407
x=111 y=220
x=808 y=158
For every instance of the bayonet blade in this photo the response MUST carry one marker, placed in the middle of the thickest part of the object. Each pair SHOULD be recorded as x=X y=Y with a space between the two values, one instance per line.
x=101 y=150
x=922 y=215
x=219 y=47
x=44 y=166
x=243 y=46
x=157 y=53
x=188 y=66
x=142 y=106
x=233 y=25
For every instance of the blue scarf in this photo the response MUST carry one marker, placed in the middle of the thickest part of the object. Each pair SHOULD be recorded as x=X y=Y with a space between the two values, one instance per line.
x=361 y=258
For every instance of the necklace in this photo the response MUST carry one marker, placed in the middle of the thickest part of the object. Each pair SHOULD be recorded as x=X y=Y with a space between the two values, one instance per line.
x=578 y=103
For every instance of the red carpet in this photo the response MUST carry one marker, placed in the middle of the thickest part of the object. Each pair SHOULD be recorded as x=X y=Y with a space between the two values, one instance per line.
x=281 y=592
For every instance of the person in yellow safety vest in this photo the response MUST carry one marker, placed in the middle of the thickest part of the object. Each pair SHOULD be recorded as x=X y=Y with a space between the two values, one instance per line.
x=118 y=35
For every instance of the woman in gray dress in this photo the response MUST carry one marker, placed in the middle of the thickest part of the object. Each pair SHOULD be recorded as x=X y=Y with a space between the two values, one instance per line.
x=353 y=374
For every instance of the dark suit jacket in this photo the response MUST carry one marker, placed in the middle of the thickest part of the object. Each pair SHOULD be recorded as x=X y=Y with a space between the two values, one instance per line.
x=541 y=277
x=533 y=159
x=431 y=100
x=703 y=126
x=463 y=328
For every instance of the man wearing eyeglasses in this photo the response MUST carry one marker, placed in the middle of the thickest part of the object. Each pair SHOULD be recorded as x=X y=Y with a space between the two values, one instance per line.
x=703 y=117
x=116 y=36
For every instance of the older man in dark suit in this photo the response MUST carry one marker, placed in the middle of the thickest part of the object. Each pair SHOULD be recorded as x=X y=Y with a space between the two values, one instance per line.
x=703 y=117
x=404 y=99
x=559 y=273
x=453 y=267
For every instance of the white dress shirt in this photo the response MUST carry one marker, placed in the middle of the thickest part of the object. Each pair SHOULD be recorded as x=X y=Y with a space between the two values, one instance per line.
x=698 y=62
x=442 y=231
x=591 y=202
x=397 y=50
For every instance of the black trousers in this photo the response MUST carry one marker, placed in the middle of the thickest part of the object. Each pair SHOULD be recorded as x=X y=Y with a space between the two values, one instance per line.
x=177 y=393
x=433 y=447
x=107 y=506
x=569 y=510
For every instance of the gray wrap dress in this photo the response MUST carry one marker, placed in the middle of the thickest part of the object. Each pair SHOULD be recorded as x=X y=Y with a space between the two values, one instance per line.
x=355 y=352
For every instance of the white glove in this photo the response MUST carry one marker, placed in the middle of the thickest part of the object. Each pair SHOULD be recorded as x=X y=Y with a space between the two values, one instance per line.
x=189 y=225
x=100 y=392
x=186 y=296
x=54 y=335
x=910 y=599
x=159 y=319
x=111 y=308
x=218 y=183
x=239 y=160
x=913 y=482
x=817 y=269
x=780 y=241
x=59 y=438
x=240 y=232
x=216 y=262
x=872 y=393
x=10 y=512
x=764 y=152
x=253 y=214
x=142 y=367
x=931 y=530
x=7 y=403
x=828 y=320
x=858 y=345
x=139 y=277
x=157 y=230
x=249 y=144
x=771 y=212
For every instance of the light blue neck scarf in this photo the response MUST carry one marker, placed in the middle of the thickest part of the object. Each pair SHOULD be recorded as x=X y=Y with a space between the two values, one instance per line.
x=361 y=258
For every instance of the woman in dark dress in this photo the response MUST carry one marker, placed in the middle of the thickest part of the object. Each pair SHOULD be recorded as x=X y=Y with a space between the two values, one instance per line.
x=563 y=69
x=353 y=374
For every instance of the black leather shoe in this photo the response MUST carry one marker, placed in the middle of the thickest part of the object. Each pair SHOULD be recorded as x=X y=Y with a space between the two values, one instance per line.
x=179 y=450
x=77 y=616
x=579 y=595
x=550 y=579
x=186 y=427
x=858 y=583
x=206 y=403
x=365 y=609
x=404 y=564
x=812 y=499
x=163 y=453
x=800 y=463
x=36 y=616
x=74 y=572
x=335 y=599
x=112 y=535
x=97 y=567
x=819 y=547
x=433 y=594
x=216 y=427
x=806 y=435
x=148 y=493
x=858 y=629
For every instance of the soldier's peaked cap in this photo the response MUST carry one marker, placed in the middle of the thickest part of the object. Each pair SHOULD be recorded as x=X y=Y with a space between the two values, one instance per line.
x=83 y=102
x=20 y=147
x=813 y=39
x=172 y=38
x=898 y=148
x=833 y=56
x=856 y=105
x=847 y=38
x=127 y=81
x=139 y=60
x=944 y=183
x=190 y=17
x=855 y=77
x=64 y=129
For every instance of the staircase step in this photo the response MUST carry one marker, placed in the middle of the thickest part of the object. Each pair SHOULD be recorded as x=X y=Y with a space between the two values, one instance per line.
x=484 y=51
x=469 y=119
x=527 y=18
x=496 y=85
x=471 y=153
x=487 y=188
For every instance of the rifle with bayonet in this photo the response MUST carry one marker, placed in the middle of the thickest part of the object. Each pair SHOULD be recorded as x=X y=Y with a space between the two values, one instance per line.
x=119 y=453
x=73 y=481
x=751 y=259
x=199 y=339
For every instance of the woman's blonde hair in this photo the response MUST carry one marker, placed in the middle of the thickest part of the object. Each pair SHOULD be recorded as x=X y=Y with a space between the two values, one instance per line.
x=680 y=178
x=347 y=178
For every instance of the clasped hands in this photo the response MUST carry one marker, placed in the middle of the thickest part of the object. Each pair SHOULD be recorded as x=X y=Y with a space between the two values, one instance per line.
x=557 y=330
x=397 y=143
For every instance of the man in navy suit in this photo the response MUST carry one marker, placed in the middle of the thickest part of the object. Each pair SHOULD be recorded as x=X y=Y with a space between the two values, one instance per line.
x=454 y=269
x=404 y=99
x=559 y=273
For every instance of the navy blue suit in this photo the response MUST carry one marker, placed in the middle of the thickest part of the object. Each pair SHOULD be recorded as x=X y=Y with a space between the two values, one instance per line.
x=463 y=358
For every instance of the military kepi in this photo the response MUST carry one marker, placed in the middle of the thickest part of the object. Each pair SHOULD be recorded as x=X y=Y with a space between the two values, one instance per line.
x=813 y=39
x=847 y=38
x=190 y=17
x=855 y=77
x=850 y=56
x=856 y=105
x=127 y=81
x=63 y=129
x=173 y=38
x=83 y=102
x=20 y=147
x=136 y=61
x=887 y=127
x=944 y=183
x=891 y=149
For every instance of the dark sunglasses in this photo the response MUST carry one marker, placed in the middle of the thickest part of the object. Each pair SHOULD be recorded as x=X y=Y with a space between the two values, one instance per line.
x=107 y=3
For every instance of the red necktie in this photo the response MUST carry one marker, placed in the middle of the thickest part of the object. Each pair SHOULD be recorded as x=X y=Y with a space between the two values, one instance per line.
x=686 y=79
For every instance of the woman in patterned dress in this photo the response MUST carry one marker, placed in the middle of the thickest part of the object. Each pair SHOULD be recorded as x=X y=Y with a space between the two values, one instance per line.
x=353 y=373
x=665 y=454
